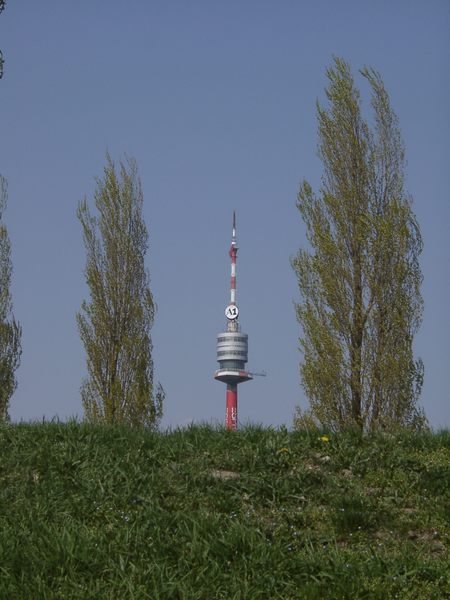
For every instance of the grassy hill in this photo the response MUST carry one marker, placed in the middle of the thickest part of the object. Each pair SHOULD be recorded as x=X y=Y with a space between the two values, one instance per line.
x=100 y=512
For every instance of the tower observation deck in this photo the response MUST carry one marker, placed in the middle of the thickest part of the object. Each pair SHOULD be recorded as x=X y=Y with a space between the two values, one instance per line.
x=232 y=346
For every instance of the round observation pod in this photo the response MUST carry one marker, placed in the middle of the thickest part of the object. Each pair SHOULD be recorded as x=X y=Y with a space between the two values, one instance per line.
x=232 y=350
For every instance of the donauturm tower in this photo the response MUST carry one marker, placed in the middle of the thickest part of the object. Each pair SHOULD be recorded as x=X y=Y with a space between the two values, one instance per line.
x=232 y=346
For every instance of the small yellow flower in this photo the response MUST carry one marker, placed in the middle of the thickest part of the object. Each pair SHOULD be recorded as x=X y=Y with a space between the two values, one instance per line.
x=324 y=438
x=282 y=450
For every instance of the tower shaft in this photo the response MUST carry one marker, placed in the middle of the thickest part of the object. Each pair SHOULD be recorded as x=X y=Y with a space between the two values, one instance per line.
x=231 y=406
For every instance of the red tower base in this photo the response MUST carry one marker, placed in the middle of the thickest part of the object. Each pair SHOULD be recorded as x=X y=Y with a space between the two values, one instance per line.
x=231 y=406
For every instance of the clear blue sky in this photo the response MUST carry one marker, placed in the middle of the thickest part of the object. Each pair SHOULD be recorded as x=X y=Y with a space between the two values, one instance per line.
x=216 y=101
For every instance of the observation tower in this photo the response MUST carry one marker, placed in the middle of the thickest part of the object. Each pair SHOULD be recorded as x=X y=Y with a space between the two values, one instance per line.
x=232 y=346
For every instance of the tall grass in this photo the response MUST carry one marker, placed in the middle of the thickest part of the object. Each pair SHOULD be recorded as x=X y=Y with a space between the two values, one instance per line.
x=202 y=513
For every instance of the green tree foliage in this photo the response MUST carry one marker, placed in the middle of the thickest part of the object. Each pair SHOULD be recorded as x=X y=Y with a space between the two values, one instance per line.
x=115 y=325
x=360 y=280
x=2 y=7
x=10 y=330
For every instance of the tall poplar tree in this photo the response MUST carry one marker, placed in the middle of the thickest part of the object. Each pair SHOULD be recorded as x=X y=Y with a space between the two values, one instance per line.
x=115 y=324
x=2 y=7
x=360 y=278
x=10 y=330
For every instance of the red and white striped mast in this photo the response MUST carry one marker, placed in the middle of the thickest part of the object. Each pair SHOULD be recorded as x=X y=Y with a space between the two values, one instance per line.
x=232 y=346
x=233 y=256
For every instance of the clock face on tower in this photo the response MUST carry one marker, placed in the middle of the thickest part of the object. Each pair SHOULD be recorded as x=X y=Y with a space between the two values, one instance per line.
x=231 y=312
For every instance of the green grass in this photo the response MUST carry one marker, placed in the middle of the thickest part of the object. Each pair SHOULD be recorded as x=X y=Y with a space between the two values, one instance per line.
x=201 y=513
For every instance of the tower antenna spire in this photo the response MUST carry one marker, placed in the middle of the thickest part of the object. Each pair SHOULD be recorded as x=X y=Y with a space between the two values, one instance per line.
x=233 y=256
x=232 y=345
